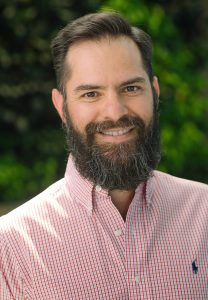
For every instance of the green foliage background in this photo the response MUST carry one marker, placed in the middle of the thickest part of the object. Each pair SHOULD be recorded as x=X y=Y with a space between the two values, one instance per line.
x=32 y=147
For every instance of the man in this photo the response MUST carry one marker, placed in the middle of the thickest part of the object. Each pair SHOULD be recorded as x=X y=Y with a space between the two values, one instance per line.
x=112 y=228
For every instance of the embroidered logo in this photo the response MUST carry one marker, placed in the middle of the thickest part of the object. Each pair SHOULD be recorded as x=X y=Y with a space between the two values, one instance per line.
x=194 y=267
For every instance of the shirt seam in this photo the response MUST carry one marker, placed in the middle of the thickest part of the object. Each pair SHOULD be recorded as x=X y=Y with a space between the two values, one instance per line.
x=9 y=246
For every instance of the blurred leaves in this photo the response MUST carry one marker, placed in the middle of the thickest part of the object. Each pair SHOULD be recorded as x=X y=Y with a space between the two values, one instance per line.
x=25 y=179
x=32 y=147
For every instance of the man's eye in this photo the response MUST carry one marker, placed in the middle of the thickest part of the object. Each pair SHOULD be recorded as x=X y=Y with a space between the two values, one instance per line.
x=131 y=88
x=90 y=94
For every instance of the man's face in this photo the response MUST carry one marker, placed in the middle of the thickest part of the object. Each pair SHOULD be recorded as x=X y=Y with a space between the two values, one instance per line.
x=108 y=111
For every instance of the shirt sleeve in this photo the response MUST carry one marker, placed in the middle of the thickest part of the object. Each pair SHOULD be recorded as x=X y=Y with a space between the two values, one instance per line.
x=11 y=282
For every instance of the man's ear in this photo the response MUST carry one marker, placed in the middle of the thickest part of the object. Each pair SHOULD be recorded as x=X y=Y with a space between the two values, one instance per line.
x=58 y=102
x=156 y=86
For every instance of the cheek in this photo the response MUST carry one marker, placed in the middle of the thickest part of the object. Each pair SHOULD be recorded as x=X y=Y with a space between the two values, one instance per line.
x=81 y=115
x=143 y=109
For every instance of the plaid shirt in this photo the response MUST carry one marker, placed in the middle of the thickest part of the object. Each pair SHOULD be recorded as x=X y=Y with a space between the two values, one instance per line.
x=70 y=242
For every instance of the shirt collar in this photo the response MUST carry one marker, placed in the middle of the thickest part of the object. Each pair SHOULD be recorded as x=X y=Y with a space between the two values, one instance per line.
x=148 y=188
x=83 y=191
x=79 y=187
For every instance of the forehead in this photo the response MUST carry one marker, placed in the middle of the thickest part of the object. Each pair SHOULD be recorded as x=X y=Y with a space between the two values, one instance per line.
x=114 y=55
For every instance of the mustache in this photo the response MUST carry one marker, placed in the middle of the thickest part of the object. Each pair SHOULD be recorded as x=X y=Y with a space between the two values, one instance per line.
x=123 y=122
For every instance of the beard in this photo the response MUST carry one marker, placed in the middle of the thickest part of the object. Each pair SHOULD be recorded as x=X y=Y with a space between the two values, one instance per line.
x=121 y=166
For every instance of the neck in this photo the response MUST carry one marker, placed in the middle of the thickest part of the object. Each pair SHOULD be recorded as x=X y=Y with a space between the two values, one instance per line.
x=122 y=200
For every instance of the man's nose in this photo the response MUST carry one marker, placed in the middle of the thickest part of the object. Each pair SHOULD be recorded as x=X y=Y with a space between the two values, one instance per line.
x=115 y=107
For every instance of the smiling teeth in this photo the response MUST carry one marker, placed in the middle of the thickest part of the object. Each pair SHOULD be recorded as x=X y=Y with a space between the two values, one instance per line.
x=117 y=133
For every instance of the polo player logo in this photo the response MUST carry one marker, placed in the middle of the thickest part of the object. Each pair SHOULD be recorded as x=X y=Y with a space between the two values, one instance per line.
x=194 y=267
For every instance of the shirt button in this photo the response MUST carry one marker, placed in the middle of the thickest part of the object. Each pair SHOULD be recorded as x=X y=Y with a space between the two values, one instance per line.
x=98 y=188
x=137 y=279
x=118 y=232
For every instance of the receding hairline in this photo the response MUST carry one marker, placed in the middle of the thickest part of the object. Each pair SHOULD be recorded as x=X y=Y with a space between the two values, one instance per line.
x=97 y=39
x=94 y=27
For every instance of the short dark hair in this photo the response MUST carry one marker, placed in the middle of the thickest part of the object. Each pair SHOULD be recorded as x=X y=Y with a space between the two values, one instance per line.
x=96 y=26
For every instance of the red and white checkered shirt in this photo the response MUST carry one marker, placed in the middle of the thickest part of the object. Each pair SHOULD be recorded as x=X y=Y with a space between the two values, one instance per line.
x=70 y=242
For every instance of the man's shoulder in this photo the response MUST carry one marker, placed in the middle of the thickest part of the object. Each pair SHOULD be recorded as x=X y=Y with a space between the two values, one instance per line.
x=177 y=185
x=36 y=208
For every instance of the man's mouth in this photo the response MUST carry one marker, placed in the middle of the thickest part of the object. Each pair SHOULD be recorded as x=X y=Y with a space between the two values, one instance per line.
x=116 y=132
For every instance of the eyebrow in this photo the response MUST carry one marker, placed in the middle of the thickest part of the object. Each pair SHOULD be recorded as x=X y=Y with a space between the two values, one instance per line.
x=88 y=87
x=134 y=80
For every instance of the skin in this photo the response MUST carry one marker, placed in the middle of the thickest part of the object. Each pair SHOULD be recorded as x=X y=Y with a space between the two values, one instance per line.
x=107 y=81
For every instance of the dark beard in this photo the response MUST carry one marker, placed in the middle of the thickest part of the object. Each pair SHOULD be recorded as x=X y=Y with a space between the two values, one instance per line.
x=120 y=166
